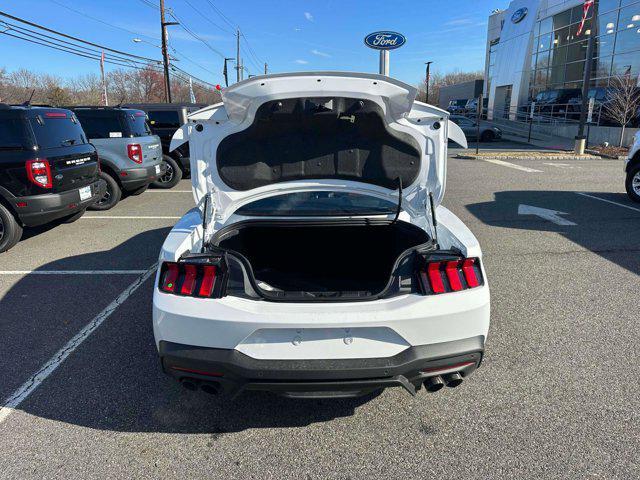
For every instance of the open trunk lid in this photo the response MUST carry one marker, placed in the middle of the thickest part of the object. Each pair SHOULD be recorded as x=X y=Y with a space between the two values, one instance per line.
x=350 y=132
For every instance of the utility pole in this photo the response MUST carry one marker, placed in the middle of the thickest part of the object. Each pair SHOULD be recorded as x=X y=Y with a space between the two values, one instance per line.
x=265 y=68
x=238 y=60
x=580 y=138
x=165 y=53
x=428 y=79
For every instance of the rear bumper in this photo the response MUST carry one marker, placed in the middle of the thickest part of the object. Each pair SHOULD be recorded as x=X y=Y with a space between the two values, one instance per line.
x=134 y=178
x=234 y=372
x=41 y=209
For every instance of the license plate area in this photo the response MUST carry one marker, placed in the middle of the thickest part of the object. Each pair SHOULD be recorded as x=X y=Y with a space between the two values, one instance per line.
x=85 y=193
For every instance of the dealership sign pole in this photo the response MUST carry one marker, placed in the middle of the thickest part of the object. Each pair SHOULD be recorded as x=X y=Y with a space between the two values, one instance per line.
x=384 y=41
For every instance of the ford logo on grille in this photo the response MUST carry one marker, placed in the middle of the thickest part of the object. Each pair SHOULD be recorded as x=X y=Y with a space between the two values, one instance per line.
x=385 y=40
x=519 y=15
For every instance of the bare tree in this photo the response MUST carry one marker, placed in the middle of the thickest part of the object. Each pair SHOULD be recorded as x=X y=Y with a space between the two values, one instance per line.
x=623 y=101
x=439 y=80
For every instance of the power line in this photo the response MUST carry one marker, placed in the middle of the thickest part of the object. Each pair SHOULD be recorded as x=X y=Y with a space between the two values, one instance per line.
x=57 y=41
x=256 y=61
x=229 y=22
x=150 y=4
x=207 y=18
x=195 y=35
x=102 y=21
x=32 y=24
x=66 y=50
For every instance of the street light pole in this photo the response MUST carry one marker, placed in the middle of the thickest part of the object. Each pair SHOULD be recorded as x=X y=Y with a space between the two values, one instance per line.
x=165 y=53
x=428 y=78
x=580 y=143
x=238 y=60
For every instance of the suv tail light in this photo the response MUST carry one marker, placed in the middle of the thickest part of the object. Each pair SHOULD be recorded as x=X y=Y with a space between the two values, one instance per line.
x=134 y=150
x=192 y=279
x=451 y=275
x=39 y=172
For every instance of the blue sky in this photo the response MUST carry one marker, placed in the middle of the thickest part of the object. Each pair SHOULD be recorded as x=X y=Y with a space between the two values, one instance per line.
x=289 y=35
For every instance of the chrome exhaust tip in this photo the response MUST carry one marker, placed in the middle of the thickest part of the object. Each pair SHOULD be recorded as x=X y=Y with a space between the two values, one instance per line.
x=189 y=384
x=433 y=384
x=212 y=388
x=452 y=379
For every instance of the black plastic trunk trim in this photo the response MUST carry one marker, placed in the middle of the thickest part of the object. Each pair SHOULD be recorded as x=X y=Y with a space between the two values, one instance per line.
x=309 y=297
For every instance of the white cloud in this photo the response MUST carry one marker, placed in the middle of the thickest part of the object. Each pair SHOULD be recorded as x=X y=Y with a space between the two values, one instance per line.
x=461 y=21
x=320 y=54
x=308 y=16
x=301 y=62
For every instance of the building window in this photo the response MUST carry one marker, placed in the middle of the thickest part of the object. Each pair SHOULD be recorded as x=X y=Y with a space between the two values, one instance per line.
x=617 y=48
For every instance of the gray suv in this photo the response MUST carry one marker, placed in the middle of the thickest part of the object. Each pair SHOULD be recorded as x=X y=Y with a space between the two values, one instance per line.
x=130 y=155
x=164 y=120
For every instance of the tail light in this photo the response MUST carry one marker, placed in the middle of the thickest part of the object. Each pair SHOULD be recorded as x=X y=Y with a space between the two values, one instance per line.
x=134 y=150
x=39 y=173
x=451 y=275
x=192 y=279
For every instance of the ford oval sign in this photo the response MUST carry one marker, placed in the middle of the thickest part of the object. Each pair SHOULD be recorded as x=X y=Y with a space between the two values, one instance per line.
x=519 y=15
x=385 y=40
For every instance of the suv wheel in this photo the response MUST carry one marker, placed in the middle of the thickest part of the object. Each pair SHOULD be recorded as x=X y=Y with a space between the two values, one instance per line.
x=111 y=196
x=172 y=174
x=633 y=184
x=10 y=230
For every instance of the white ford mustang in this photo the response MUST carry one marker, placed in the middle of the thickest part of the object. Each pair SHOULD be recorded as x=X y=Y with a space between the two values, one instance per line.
x=318 y=260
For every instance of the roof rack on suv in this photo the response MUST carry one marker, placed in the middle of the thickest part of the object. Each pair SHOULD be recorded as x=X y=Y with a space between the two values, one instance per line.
x=99 y=107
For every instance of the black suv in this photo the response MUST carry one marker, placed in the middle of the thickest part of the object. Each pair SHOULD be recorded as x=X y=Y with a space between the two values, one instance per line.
x=164 y=120
x=48 y=169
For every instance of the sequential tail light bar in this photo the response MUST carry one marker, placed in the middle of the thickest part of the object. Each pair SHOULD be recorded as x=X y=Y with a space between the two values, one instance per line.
x=192 y=279
x=450 y=275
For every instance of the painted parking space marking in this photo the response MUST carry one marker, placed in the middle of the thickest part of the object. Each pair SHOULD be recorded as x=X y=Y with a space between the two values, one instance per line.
x=609 y=201
x=28 y=387
x=511 y=165
x=566 y=166
x=128 y=217
x=72 y=272
x=168 y=191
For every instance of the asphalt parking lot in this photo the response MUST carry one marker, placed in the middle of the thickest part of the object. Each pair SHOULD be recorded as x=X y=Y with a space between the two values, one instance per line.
x=557 y=395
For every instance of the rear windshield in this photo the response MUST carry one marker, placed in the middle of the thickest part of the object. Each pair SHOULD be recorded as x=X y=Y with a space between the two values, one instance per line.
x=164 y=119
x=318 y=204
x=52 y=132
x=136 y=121
x=101 y=124
x=13 y=134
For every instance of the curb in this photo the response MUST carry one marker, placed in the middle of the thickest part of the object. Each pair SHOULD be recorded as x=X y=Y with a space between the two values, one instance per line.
x=604 y=155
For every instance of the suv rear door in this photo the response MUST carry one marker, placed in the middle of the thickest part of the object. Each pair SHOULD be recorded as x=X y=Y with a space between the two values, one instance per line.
x=60 y=139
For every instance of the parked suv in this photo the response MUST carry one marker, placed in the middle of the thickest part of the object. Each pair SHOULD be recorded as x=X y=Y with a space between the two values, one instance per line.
x=164 y=120
x=130 y=155
x=48 y=169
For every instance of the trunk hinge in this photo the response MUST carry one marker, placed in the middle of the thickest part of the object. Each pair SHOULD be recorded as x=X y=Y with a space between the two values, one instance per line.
x=208 y=214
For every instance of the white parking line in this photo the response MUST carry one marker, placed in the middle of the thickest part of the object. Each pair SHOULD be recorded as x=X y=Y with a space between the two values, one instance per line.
x=128 y=217
x=27 y=388
x=511 y=165
x=72 y=272
x=168 y=191
x=561 y=165
x=609 y=201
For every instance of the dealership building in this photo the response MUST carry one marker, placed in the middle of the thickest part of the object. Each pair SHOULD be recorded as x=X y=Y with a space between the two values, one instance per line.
x=534 y=46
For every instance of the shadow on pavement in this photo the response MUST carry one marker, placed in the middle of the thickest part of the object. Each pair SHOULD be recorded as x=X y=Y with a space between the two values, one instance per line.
x=113 y=381
x=611 y=231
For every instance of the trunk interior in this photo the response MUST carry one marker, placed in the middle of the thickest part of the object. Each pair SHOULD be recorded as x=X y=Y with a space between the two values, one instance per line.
x=322 y=258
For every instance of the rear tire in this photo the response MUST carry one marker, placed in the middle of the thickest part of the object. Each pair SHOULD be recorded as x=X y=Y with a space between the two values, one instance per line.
x=172 y=175
x=112 y=195
x=72 y=218
x=487 y=136
x=10 y=230
x=632 y=184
